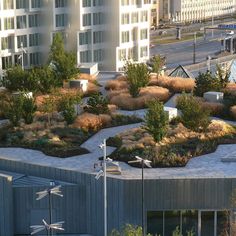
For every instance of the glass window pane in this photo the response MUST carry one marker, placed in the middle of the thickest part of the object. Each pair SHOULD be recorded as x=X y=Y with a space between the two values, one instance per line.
x=189 y=222
x=223 y=223
x=155 y=222
x=207 y=223
x=172 y=220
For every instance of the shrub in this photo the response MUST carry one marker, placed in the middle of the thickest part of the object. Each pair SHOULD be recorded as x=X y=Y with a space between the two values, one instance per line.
x=116 y=84
x=48 y=106
x=128 y=230
x=194 y=116
x=97 y=104
x=28 y=109
x=156 y=120
x=137 y=77
x=18 y=79
x=14 y=109
x=66 y=104
x=206 y=82
x=88 y=122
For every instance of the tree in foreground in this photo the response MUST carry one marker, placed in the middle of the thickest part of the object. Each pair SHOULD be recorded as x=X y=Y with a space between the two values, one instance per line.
x=64 y=62
x=156 y=120
x=193 y=116
x=137 y=77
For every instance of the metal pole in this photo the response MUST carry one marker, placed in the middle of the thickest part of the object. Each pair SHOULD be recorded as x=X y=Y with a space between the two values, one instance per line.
x=105 y=186
x=143 y=199
x=22 y=55
x=194 y=48
x=50 y=212
x=212 y=22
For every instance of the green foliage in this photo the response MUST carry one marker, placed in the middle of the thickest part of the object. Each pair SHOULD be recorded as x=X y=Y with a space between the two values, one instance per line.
x=137 y=77
x=190 y=233
x=157 y=63
x=45 y=77
x=97 y=104
x=48 y=106
x=17 y=79
x=128 y=230
x=194 y=116
x=156 y=120
x=28 y=109
x=64 y=62
x=177 y=232
x=67 y=104
x=14 y=109
x=207 y=82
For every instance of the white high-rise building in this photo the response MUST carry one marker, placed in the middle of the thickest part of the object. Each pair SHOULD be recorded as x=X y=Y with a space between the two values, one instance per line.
x=195 y=10
x=106 y=32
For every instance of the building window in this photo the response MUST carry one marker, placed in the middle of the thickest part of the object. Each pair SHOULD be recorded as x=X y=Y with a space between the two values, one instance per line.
x=143 y=52
x=134 y=17
x=124 y=2
x=7 y=43
x=22 y=4
x=6 y=62
x=86 y=3
x=61 y=20
x=21 y=22
x=8 y=4
x=144 y=16
x=85 y=56
x=34 y=39
x=8 y=23
x=86 y=19
x=84 y=38
x=34 y=20
x=35 y=58
x=122 y=54
x=98 y=37
x=98 y=18
x=60 y=3
x=125 y=37
x=98 y=3
x=22 y=39
x=165 y=222
x=125 y=19
x=98 y=55
x=36 y=3
x=143 y=34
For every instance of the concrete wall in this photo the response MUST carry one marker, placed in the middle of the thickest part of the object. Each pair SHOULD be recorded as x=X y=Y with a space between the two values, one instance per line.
x=6 y=206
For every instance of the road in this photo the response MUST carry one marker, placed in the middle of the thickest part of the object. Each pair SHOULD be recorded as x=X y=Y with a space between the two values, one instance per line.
x=182 y=52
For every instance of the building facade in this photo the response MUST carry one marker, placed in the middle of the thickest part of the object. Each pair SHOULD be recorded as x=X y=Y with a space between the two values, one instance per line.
x=106 y=32
x=194 y=11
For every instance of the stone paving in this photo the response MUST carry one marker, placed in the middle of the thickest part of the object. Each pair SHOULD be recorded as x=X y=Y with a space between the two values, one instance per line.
x=214 y=165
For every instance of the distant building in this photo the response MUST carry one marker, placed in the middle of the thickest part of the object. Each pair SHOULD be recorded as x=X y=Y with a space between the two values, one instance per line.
x=155 y=13
x=101 y=31
x=193 y=11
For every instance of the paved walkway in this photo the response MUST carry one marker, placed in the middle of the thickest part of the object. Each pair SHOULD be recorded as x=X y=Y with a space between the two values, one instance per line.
x=214 y=165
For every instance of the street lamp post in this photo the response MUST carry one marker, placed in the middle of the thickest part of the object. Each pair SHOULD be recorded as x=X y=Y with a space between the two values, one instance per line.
x=103 y=173
x=22 y=55
x=55 y=190
x=194 y=47
x=143 y=163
